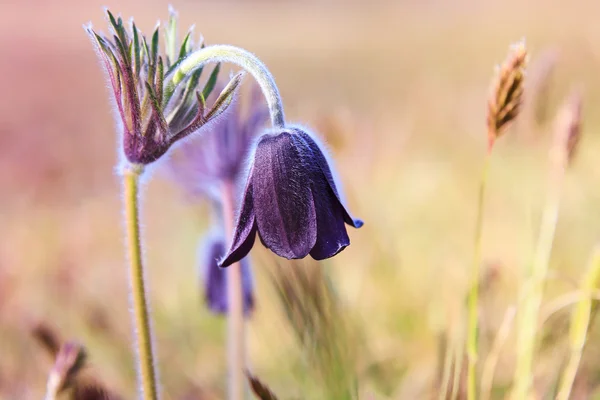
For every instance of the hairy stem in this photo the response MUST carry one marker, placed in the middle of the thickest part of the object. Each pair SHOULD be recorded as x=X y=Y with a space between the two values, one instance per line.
x=236 y=341
x=473 y=300
x=244 y=59
x=141 y=319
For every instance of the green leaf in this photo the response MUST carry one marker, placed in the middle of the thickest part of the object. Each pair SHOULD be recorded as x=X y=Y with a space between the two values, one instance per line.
x=212 y=81
x=155 y=45
x=151 y=64
x=145 y=48
x=183 y=50
x=171 y=37
x=136 y=49
x=225 y=97
x=112 y=20
x=159 y=80
x=119 y=29
x=154 y=103
x=122 y=50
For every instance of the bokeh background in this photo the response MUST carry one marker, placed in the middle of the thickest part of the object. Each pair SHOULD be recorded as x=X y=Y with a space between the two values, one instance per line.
x=398 y=90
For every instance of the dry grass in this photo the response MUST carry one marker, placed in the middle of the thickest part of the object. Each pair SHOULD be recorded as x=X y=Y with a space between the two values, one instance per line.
x=400 y=92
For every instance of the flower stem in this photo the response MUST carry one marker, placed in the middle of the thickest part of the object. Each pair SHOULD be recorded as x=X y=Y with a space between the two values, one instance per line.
x=141 y=319
x=236 y=341
x=473 y=300
x=244 y=59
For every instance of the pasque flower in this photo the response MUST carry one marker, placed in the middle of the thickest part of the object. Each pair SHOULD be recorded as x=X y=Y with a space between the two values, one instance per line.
x=215 y=279
x=291 y=200
x=153 y=110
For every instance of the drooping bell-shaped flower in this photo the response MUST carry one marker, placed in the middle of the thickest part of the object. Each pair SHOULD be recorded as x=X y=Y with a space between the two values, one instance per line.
x=156 y=107
x=215 y=278
x=291 y=200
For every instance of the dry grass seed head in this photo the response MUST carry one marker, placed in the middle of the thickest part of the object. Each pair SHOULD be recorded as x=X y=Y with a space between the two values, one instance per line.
x=568 y=128
x=506 y=94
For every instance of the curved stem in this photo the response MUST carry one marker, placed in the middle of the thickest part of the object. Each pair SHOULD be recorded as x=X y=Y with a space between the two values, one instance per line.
x=141 y=318
x=244 y=59
x=236 y=343
x=473 y=300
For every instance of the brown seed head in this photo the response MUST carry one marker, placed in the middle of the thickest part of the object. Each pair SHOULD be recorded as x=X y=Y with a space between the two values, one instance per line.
x=568 y=128
x=506 y=94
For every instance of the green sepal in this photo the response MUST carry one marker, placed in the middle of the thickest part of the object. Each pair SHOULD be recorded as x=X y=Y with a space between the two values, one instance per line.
x=212 y=81
x=225 y=97
x=171 y=37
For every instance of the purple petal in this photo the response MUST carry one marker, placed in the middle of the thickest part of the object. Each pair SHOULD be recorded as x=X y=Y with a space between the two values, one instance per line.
x=324 y=165
x=215 y=289
x=331 y=231
x=284 y=206
x=245 y=229
x=216 y=279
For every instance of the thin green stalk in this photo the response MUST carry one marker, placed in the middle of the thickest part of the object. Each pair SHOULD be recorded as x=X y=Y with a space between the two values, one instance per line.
x=579 y=326
x=529 y=317
x=473 y=301
x=459 y=356
x=489 y=367
x=143 y=339
x=446 y=347
x=236 y=340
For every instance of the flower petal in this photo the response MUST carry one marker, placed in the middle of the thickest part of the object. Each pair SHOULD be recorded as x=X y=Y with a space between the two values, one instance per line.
x=324 y=165
x=245 y=229
x=216 y=279
x=215 y=289
x=284 y=206
x=331 y=231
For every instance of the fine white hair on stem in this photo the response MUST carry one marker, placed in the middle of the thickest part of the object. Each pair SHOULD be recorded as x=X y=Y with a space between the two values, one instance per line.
x=244 y=59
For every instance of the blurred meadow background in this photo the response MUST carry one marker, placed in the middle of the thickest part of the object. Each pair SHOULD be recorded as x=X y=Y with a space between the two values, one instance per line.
x=398 y=91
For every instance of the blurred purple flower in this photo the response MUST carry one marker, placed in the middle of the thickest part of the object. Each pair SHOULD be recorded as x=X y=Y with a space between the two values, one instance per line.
x=291 y=200
x=155 y=110
x=220 y=153
x=215 y=278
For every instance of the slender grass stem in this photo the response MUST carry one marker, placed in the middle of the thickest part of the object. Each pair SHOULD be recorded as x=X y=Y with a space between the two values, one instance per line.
x=473 y=300
x=141 y=319
x=579 y=327
x=459 y=356
x=489 y=367
x=236 y=340
x=529 y=317
x=447 y=344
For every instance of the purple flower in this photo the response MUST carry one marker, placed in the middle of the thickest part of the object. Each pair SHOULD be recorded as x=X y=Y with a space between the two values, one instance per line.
x=291 y=201
x=155 y=107
x=219 y=154
x=215 y=278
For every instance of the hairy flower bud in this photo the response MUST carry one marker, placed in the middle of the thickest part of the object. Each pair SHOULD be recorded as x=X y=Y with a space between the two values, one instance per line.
x=154 y=111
